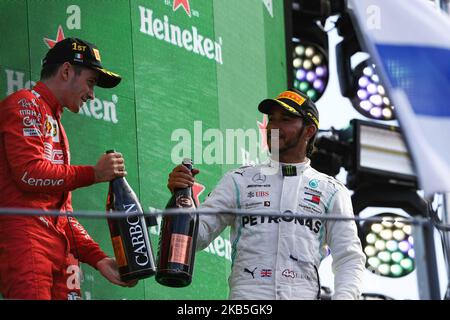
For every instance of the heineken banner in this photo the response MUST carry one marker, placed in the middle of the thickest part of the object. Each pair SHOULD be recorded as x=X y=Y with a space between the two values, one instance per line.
x=193 y=74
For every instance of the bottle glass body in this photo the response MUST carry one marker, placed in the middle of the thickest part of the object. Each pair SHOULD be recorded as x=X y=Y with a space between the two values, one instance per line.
x=177 y=242
x=129 y=236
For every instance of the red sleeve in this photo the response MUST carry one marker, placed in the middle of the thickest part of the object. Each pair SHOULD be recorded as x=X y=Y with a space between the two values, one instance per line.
x=82 y=245
x=22 y=126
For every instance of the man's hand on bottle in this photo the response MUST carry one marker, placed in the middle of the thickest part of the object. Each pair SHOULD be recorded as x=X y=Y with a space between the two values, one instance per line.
x=109 y=166
x=109 y=269
x=181 y=177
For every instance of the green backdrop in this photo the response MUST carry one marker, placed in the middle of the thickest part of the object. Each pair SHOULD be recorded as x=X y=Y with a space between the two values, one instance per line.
x=191 y=72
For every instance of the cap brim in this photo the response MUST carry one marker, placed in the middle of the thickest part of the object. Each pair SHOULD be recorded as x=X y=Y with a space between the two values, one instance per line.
x=267 y=105
x=107 y=79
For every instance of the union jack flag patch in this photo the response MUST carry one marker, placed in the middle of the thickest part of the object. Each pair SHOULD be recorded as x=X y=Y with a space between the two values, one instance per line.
x=266 y=273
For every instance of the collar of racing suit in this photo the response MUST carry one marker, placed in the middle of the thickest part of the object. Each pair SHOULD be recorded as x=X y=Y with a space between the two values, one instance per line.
x=49 y=97
x=290 y=169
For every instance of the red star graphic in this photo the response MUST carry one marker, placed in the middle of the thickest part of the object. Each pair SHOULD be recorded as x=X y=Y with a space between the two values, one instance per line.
x=59 y=36
x=197 y=189
x=263 y=132
x=184 y=3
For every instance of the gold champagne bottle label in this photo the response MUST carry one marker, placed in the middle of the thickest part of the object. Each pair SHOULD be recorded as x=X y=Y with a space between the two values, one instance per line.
x=180 y=248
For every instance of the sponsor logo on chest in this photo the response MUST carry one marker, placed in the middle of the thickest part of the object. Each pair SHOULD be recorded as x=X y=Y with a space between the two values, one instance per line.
x=51 y=128
x=312 y=198
x=255 y=221
x=258 y=194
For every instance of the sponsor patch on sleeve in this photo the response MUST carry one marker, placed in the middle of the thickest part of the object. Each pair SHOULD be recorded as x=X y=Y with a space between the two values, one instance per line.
x=31 y=132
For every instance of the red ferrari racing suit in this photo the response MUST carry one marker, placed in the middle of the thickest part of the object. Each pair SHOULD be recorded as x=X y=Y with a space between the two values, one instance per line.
x=36 y=252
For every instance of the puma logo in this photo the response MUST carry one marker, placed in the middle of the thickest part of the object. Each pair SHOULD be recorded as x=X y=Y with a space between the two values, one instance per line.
x=251 y=272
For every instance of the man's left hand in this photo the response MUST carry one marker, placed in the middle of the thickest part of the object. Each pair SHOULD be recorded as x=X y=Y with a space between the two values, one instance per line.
x=109 y=269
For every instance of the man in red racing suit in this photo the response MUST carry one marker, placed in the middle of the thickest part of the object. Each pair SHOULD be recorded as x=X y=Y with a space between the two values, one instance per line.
x=37 y=253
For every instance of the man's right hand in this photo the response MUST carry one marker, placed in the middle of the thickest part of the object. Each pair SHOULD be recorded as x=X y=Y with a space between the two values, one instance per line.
x=109 y=166
x=181 y=177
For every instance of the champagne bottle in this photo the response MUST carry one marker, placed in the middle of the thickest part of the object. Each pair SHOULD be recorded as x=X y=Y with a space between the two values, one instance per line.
x=129 y=236
x=177 y=241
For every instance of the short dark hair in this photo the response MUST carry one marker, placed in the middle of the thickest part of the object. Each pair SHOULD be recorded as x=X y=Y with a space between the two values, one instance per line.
x=49 y=70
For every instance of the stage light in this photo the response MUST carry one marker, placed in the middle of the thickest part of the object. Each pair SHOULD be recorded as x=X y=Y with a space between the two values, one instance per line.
x=388 y=242
x=309 y=49
x=370 y=98
x=388 y=246
x=310 y=68
x=359 y=81
x=379 y=155
x=371 y=152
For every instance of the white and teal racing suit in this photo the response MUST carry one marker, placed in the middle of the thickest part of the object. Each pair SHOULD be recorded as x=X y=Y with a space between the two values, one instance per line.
x=278 y=257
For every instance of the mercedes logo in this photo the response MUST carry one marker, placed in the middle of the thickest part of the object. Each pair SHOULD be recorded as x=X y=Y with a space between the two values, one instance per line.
x=259 y=178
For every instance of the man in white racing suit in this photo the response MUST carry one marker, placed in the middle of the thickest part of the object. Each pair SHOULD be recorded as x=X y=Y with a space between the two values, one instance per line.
x=278 y=257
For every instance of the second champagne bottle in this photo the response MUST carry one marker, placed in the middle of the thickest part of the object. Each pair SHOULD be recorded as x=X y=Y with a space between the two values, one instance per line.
x=178 y=240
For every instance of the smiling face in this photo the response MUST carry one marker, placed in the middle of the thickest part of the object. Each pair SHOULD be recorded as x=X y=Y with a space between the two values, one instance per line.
x=80 y=87
x=293 y=135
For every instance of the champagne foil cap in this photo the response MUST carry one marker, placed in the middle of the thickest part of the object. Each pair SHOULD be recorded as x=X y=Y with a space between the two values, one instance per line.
x=187 y=162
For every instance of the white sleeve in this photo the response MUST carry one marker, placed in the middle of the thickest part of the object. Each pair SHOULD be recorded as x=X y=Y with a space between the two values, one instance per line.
x=348 y=258
x=223 y=197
